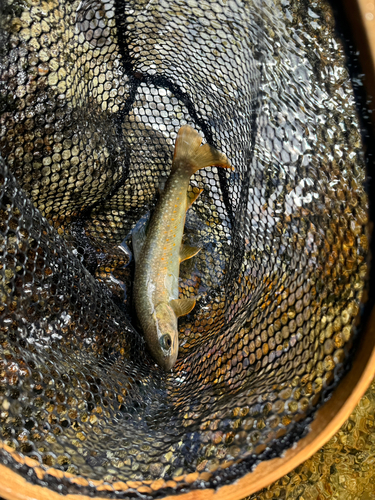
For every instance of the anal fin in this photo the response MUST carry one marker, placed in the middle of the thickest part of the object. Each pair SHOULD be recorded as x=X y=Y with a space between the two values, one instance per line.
x=187 y=252
x=181 y=307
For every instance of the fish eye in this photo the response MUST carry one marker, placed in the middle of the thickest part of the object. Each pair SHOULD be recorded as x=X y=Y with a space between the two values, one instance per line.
x=166 y=341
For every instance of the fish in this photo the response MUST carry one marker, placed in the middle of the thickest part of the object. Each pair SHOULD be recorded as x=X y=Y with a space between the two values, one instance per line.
x=158 y=249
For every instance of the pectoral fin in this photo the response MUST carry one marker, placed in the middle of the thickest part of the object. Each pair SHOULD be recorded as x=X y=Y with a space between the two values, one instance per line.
x=187 y=252
x=181 y=307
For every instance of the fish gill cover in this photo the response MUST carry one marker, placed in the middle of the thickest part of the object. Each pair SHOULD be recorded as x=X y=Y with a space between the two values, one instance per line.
x=92 y=96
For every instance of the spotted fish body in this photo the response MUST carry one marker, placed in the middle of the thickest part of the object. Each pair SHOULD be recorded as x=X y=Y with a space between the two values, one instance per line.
x=159 y=252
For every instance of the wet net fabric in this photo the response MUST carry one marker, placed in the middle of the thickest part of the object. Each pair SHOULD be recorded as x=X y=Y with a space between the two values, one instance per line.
x=92 y=96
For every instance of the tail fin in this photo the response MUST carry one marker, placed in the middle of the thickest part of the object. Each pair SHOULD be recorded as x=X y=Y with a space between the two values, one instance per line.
x=189 y=154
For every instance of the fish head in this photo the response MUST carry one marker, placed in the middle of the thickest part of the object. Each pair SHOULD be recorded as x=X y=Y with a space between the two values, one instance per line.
x=165 y=346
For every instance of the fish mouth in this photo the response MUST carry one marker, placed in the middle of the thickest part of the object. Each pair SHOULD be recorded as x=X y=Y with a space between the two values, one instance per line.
x=167 y=361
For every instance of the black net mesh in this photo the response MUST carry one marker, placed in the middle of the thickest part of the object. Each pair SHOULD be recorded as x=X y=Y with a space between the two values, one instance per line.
x=92 y=96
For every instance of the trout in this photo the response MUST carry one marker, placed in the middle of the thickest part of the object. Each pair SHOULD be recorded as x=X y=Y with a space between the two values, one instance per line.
x=158 y=249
